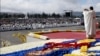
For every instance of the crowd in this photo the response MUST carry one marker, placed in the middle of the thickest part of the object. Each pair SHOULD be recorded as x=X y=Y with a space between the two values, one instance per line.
x=33 y=23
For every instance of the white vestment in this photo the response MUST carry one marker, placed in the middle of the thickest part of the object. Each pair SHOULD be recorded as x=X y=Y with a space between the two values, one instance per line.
x=90 y=22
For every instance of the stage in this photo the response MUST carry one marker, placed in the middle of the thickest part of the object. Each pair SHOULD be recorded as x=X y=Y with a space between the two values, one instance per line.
x=69 y=35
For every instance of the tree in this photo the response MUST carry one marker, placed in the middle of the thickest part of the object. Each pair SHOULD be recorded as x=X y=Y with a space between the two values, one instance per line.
x=54 y=15
x=44 y=15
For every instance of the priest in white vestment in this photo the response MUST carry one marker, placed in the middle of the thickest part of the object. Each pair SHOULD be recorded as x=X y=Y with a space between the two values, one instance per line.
x=90 y=23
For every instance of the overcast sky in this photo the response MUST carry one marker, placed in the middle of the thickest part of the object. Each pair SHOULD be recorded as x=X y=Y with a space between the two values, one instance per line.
x=48 y=6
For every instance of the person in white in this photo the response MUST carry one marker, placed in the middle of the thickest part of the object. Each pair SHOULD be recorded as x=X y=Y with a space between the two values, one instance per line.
x=90 y=22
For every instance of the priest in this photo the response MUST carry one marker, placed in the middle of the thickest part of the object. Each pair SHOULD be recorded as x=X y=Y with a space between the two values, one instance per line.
x=90 y=22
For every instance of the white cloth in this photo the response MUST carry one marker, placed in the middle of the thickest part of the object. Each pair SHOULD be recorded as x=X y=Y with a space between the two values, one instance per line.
x=90 y=22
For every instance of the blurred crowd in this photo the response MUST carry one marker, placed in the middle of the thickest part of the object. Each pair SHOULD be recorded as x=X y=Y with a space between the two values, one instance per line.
x=33 y=23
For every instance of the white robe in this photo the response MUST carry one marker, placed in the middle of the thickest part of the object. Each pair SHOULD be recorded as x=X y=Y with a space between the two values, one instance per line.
x=90 y=23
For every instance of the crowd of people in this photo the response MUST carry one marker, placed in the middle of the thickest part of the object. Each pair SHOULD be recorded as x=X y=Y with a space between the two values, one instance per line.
x=33 y=23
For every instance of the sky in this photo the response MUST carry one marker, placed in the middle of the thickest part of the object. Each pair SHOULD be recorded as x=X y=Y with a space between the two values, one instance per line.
x=47 y=6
